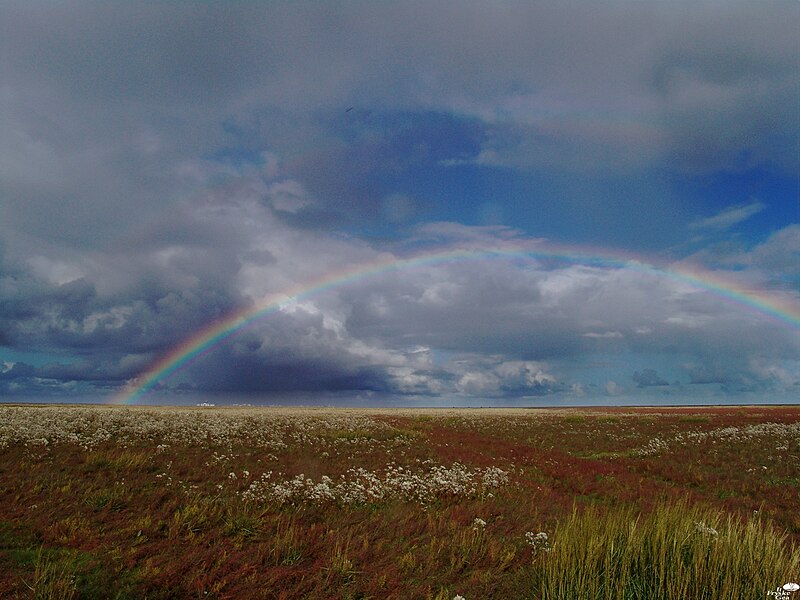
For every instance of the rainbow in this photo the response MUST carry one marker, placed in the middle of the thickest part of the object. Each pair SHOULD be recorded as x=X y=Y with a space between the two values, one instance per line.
x=203 y=341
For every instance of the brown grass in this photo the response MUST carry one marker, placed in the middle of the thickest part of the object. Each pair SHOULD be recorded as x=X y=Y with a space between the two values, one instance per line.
x=156 y=509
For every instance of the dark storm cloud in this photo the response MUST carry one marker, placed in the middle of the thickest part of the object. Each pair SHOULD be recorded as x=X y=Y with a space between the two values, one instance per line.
x=77 y=320
x=301 y=350
x=109 y=315
x=256 y=376
x=504 y=326
x=80 y=378
x=733 y=376
x=153 y=310
x=18 y=371
x=165 y=164
x=648 y=378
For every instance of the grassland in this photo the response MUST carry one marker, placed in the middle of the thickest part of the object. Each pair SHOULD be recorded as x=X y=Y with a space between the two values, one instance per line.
x=114 y=502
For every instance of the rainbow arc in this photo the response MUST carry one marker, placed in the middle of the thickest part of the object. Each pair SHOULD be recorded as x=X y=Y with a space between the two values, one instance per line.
x=780 y=307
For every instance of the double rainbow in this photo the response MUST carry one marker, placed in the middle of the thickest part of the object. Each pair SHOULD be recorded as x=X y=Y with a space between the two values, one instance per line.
x=203 y=341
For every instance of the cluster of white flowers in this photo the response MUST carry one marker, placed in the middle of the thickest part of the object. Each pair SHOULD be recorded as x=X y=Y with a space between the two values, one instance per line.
x=89 y=426
x=784 y=435
x=538 y=541
x=653 y=447
x=478 y=524
x=775 y=431
x=360 y=486
x=704 y=529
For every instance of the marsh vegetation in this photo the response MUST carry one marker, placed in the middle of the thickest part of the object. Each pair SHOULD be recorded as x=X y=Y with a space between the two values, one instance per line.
x=133 y=502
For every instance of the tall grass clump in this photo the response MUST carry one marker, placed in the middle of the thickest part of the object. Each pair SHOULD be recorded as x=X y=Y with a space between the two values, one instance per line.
x=53 y=578
x=675 y=551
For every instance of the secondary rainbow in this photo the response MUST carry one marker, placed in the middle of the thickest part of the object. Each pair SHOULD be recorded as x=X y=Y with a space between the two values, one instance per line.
x=206 y=339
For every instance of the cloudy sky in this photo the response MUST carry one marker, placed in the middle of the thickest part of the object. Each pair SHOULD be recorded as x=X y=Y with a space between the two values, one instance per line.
x=165 y=164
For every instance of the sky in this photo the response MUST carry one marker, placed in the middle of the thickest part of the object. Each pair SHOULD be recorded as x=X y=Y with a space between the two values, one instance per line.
x=607 y=194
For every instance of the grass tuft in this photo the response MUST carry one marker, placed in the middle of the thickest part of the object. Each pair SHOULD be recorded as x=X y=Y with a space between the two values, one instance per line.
x=53 y=577
x=677 y=551
x=695 y=419
x=341 y=566
x=241 y=525
x=198 y=514
x=287 y=546
x=111 y=498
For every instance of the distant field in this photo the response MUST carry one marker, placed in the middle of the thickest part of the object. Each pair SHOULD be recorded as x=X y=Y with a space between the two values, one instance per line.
x=157 y=503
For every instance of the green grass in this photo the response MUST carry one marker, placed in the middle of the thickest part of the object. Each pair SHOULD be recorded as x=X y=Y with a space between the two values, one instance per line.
x=667 y=554
x=240 y=524
x=695 y=419
x=575 y=419
x=59 y=573
x=287 y=547
x=196 y=515
x=111 y=498
x=54 y=577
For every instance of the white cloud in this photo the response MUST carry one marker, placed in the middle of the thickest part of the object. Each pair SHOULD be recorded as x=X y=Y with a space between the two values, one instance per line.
x=287 y=196
x=786 y=376
x=728 y=217
x=478 y=384
x=501 y=322
x=605 y=335
x=779 y=255
x=102 y=130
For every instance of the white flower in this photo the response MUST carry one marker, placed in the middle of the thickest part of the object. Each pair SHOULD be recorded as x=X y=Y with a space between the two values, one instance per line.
x=538 y=541
x=478 y=524
x=704 y=529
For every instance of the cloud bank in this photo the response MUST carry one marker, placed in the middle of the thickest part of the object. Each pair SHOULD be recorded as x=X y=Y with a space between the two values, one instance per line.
x=485 y=327
x=164 y=165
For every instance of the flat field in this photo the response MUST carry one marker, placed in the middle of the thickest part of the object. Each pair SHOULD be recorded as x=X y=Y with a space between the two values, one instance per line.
x=134 y=502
